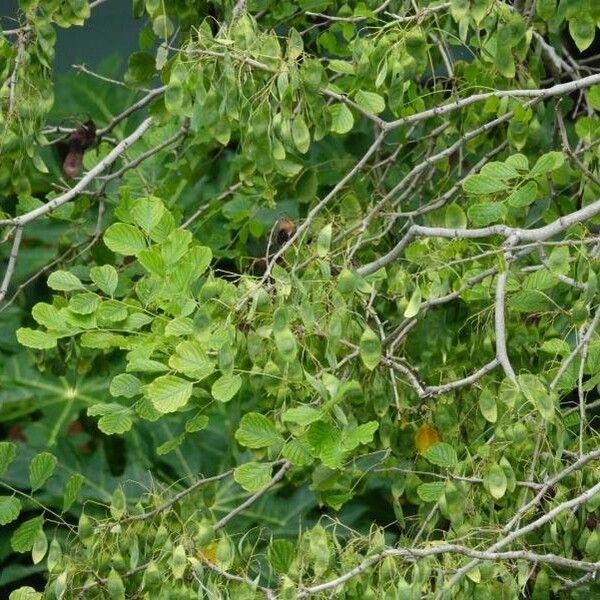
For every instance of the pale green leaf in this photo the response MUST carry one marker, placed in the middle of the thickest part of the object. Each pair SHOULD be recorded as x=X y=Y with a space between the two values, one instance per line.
x=484 y=184
x=431 y=491
x=257 y=431
x=105 y=278
x=191 y=360
x=253 y=475
x=8 y=451
x=342 y=120
x=370 y=101
x=495 y=481
x=48 y=316
x=10 y=507
x=370 y=348
x=41 y=468
x=414 y=304
x=125 y=385
x=64 y=281
x=547 y=162
x=22 y=539
x=124 y=239
x=441 y=455
x=524 y=195
x=226 y=387
x=169 y=393
x=72 y=490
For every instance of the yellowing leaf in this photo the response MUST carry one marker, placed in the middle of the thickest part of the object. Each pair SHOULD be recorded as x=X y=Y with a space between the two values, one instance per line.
x=425 y=437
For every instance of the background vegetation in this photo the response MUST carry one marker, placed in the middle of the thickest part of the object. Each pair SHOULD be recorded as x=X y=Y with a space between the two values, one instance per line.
x=316 y=317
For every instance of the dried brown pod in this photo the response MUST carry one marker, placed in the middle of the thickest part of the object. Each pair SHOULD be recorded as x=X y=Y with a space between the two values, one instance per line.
x=285 y=230
x=71 y=149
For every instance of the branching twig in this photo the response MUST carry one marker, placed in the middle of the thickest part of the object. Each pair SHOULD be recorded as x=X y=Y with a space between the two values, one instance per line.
x=268 y=592
x=108 y=160
x=12 y=261
x=252 y=499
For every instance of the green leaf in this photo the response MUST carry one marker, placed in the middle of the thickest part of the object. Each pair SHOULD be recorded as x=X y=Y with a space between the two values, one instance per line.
x=10 y=507
x=118 y=421
x=363 y=434
x=118 y=503
x=105 y=278
x=286 y=344
x=72 y=490
x=23 y=538
x=593 y=95
x=179 y=561
x=33 y=338
x=302 y=415
x=342 y=120
x=179 y=327
x=341 y=66
x=297 y=452
x=40 y=547
x=370 y=348
x=414 y=304
x=191 y=360
x=175 y=247
x=524 y=195
x=111 y=312
x=84 y=304
x=169 y=393
x=60 y=585
x=151 y=259
x=40 y=469
x=529 y=301
x=226 y=387
x=253 y=475
x=485 y=213
x=196 y=423
x=484 y=184
x=540 y=280
x=300 y=134
x=370 y=101
x=140 y=69
x=582 y=29
x=146 y=365
x=125 y=385
x=325 y=440
x=170 y=445
x=25 y=593
x=559 y=260
x=495 y=481
x=324 y=240
x=64 y=281
x=147 y=213
x=257 y=431
x=115 y=586
x=556 y=346
x=431 y=491
x=8 y=451
x=518 y=161
x=545 y=9
x=537 y=393
x=499 y=170
x=48 y=316
x=455 y=217
x=487 y=405
x=441 y=455
x=546 y=163
x=281 y=554
x=124 y=239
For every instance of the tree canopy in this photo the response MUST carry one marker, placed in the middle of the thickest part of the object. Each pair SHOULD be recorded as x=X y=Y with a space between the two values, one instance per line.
x=302 y=302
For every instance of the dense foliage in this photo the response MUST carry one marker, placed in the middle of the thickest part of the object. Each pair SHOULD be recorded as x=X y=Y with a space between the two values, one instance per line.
x=318 y=315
